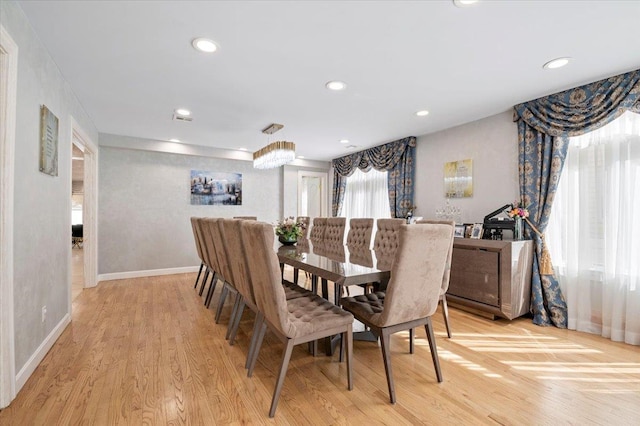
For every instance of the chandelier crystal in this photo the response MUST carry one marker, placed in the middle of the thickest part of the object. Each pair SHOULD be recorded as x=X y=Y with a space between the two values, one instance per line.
x=274 y=155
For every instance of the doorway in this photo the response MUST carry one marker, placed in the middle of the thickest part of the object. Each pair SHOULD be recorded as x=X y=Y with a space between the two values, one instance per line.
x=77 y=201
x=87 y=173
x=312 y=194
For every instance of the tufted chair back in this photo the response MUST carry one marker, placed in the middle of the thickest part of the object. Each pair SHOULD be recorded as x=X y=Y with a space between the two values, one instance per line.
x=386 y=240
x=306 y=221
x=334 y=233
x=317 y=231
x=360 y=231
x=221 y=249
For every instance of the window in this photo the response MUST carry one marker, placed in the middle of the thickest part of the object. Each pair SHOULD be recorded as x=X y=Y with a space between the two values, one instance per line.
x=366 y=195
x=594 y=230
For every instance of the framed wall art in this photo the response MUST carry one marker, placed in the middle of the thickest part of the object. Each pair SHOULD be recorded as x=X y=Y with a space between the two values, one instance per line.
x=48 y=142
x=213 y=188
x=458 y=179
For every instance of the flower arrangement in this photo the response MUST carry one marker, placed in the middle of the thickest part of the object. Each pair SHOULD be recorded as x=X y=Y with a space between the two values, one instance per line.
x=288 y=229
x=518 y=211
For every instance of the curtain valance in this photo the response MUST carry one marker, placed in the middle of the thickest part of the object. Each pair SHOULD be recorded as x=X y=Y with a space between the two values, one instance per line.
x=383 y=157
x=583 y=109
x=397 y=158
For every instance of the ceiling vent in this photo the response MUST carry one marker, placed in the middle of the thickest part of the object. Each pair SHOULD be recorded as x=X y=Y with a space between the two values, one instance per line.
x=178 y=117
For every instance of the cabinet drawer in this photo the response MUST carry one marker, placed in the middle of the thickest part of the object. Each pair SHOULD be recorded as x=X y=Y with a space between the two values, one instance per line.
x=475 y=275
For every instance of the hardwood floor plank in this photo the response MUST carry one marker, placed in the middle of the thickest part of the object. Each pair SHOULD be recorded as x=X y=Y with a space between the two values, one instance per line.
x=147 y=351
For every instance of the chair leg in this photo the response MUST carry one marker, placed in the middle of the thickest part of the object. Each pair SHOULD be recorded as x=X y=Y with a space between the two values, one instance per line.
x=411 y=338
x=212 y=288
x=348 y=336
x=198 y=277
x=236 y=322
x=254 y=336
x=385 y=340
x=234 y=311
x=204 y=281
x=325 y=289
x=286 y=356
x=434 y=350
x=256 y=348
x=223 y=297
x=296 y=271
x=445 y=312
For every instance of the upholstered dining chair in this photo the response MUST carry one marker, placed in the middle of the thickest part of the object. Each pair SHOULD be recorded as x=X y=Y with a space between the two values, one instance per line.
x=359 y=235
x=209 y=253
x=294 y=322
x=198 y=243
x=246 y=217
x=445 y=279
x=413 y=292
x=318 y=228
x=386 y=240
x=334 y=231
x=225 y=274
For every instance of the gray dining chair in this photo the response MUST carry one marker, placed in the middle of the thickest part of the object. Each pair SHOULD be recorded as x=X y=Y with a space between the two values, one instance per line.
x=412 y=294
x=335 y=229
x=295 y=321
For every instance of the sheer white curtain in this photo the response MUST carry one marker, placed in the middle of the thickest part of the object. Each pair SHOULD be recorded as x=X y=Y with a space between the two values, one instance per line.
x=594 y=231
x=366 y=195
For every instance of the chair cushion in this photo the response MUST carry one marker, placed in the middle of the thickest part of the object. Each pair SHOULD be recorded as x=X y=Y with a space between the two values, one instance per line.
x=365 y=306
x=312 y=313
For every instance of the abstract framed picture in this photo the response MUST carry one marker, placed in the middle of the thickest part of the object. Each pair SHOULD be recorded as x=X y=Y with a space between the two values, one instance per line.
x=48 y=142
x=458 y=179
x=216 y=189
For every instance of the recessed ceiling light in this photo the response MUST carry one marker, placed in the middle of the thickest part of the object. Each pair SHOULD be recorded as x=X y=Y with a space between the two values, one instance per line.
x=464 y=3
x=336 y=85
x=183 y=111
x=243 y=149
x=344 y=141
x=300 y=156
x=204 y=45
x=174 y=140
x=556 y=63
x=422 y=113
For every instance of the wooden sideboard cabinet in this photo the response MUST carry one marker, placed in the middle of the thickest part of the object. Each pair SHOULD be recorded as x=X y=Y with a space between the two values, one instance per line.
x=491 y=277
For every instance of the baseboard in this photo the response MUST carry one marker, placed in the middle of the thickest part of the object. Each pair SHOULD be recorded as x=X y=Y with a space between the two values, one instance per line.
x=147 y=273
x=37 y=357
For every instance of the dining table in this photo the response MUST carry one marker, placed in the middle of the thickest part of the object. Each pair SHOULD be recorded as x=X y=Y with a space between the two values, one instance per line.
x=340 y=264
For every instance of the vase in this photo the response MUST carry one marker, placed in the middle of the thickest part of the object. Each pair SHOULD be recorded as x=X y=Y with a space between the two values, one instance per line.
x=518 y=229
x=287 y=241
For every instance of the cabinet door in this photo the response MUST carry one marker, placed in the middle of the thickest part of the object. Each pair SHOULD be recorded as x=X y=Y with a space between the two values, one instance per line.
x=475 y=275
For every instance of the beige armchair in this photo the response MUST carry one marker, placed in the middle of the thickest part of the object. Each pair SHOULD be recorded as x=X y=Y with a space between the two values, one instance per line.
x=296 y=321
x=412 y=294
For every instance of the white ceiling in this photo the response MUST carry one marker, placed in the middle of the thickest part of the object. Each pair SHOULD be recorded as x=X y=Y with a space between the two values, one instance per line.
x=131 y=64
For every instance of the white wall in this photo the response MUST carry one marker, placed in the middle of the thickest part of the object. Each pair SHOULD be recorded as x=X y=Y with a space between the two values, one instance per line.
x=144 y=204
x=492 y=144
x=42 y=231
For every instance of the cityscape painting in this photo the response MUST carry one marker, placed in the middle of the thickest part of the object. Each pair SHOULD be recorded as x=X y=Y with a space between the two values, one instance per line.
x=212 y=189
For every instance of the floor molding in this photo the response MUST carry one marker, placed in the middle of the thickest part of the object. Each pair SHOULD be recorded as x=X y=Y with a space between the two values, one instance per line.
x=147 y=273
x=37 y=357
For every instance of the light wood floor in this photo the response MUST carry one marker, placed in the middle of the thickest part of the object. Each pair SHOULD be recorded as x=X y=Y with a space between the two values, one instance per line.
x=146 y=351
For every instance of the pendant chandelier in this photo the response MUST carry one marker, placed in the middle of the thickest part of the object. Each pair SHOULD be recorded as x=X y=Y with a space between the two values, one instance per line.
x=275 y=154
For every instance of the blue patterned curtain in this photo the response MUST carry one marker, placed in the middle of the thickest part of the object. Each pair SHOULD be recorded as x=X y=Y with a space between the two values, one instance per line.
x=544 y=126
x=397 y=158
